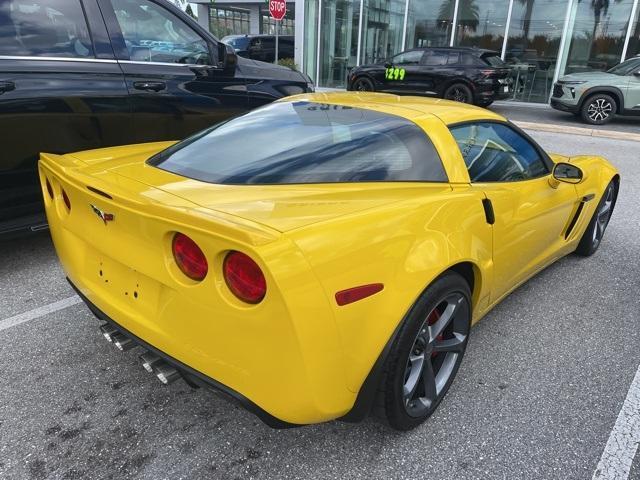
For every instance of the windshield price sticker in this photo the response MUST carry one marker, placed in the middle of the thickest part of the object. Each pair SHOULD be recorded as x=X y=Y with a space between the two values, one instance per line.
x=394 y=73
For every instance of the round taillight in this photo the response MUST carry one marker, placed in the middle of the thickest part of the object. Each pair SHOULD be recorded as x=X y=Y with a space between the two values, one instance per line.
x=49 y=188
x=244 y=277
x=67 y=202
x=189 y=257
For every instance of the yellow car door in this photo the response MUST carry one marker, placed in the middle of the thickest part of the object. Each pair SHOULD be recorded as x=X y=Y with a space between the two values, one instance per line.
x=528 y=210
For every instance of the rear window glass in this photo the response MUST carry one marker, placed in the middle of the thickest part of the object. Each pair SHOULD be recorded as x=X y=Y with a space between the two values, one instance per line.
x=493 y=59
x=49 y=28
x=305 y=142
x=238 y=43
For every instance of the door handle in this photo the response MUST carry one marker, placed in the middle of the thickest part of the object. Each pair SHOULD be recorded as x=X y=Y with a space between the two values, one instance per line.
x=150 y=86
x=7 y=87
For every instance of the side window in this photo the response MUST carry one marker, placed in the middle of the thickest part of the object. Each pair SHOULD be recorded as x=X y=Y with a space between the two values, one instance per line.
x=435 y=58
x=453 y=58
x=44 y=28
x=411 y=57
x=494 y=152
x=153 y=34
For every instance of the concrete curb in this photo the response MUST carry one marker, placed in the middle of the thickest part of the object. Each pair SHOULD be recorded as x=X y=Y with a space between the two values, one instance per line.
x=587 y=132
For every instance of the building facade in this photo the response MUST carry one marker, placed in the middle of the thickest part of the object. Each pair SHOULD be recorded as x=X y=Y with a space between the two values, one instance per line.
x=231 y=17
x=540 y=39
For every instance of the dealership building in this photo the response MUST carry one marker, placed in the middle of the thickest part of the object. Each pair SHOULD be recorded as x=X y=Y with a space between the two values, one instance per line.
x=540 y=39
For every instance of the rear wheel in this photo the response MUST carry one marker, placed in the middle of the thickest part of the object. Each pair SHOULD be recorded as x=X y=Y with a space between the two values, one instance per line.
x=459 y=92
x=363 y=84
x=598 y=109
x=592 y=236
x=426 y=354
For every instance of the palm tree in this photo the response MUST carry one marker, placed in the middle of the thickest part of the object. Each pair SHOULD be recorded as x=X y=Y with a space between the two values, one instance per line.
x=468 y=14
x=526 y=20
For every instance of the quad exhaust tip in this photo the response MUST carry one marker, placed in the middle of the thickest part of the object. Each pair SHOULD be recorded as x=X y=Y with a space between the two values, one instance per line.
x=149 y=360
x=122 y=342
x=108 y=331
x=166 y=373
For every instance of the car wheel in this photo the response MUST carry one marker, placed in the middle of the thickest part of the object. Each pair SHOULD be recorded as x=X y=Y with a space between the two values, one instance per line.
x=592 y=236
x=426 y=353
x=485 y=104
x=363 y=84
x=459 y=92
x=598 y=109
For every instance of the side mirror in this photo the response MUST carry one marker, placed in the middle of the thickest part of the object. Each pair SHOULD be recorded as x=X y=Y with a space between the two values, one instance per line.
x=227 y=57
x=637 y=74
x=567 y=173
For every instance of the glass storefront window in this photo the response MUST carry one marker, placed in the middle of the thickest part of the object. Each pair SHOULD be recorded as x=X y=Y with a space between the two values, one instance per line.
x=481 y=23
x=533 y=42
x=227 y=21
x=339 y=40
x=287 y=24
x=429 y=23
x=382 y=24
x=598 y=31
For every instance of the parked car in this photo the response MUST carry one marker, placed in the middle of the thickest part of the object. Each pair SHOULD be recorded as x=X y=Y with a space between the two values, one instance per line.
x=261 y=47
x=83 y=74
x=468 y=75
x=332 y=272
x=597 y=97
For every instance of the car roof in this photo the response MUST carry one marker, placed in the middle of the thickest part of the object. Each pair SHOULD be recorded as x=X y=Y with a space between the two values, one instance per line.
x=410 y=107
x=479 y=51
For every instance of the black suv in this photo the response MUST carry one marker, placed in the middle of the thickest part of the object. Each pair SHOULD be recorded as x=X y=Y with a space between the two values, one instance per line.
x=468 y=75
x=261 y=47
x=84 y=74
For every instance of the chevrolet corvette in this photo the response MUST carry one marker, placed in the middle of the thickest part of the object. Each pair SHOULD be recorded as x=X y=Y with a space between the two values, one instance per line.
x=322 y=257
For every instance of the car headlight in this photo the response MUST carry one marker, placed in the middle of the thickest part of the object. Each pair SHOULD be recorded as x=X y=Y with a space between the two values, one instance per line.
x=311 y=87
x=573 y=82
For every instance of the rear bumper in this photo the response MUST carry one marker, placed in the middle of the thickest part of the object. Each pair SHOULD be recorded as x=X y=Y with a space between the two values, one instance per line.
x=189 y=373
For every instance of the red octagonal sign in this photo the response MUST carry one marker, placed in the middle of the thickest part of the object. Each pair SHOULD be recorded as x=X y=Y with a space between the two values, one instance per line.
x=277 y=8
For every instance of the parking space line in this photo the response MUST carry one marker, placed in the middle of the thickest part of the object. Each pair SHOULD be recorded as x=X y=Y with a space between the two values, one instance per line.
x=39 y=312
x=616 y=460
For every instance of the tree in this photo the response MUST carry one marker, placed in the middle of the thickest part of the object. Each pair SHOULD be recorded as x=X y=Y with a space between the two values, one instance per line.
x=468 y=14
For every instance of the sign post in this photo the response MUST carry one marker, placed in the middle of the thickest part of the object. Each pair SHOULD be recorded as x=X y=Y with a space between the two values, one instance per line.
x=277 y=10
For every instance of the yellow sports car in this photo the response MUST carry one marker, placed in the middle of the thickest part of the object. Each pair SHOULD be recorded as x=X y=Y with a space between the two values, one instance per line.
x=324 y=256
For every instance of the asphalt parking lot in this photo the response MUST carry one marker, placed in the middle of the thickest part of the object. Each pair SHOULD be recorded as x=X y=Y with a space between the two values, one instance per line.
x=537 y=397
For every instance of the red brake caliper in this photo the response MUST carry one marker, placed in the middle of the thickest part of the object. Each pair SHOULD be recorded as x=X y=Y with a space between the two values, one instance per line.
x=433 y=318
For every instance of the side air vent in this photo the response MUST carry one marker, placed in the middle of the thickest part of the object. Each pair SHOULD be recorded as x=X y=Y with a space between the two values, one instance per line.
x=574 y=220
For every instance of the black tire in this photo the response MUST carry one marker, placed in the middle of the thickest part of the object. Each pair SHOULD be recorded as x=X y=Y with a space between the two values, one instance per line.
x=485 y=104
x=458 y=92
x=400 y=402
x=363 y=84
x=598 y=109
x=592 y=236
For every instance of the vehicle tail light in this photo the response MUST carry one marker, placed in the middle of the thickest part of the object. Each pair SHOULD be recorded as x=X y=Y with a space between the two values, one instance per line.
x=66 y=200
x=244 y=277
x=189 y=257
x=350 y=295
x=49 y=188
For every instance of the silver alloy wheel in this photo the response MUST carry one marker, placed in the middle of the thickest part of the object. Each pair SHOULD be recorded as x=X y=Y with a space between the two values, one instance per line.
x=602 y=216
x=436 y=351
x=600 y=109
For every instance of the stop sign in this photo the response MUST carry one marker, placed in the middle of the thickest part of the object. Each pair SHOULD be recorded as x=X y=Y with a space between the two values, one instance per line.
x=277 y=9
